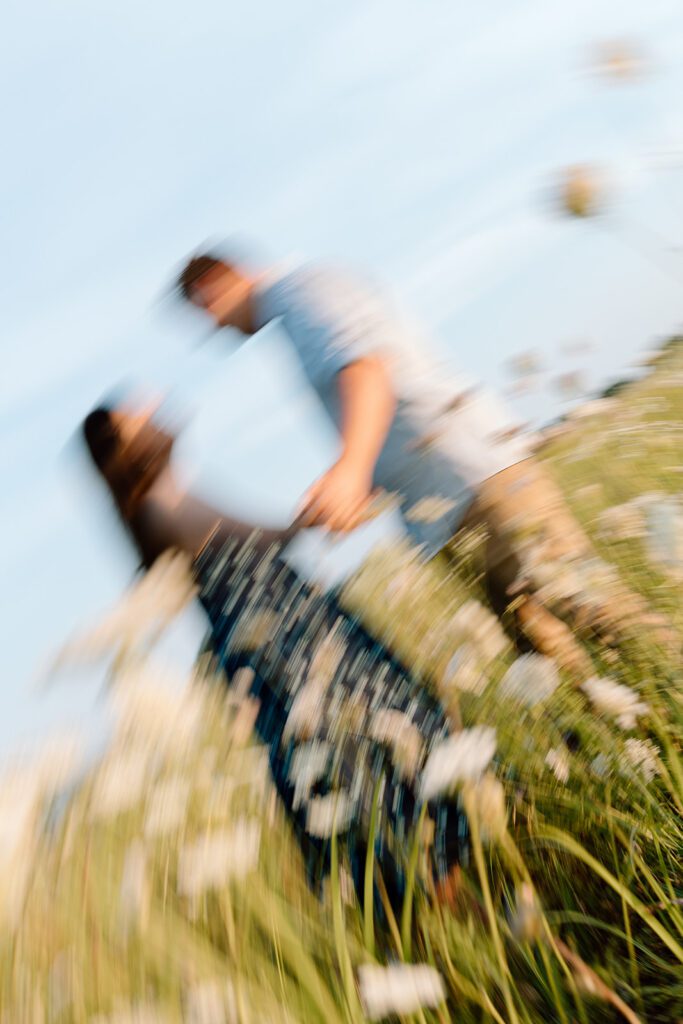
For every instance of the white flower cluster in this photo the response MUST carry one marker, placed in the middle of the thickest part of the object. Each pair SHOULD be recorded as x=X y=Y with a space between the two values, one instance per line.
x=121 y=781
x=622 y=522
x=399 y=989
x=474 y=623
x=558 y=762
x=526 y=917
x=462 y=757
x=167 y=806
x=153 y=707
x=530 y=680
x=643 y=756
x=486 y=799
x=615 y=701
x=217 y=857
x=211 y=1002
x=480 y=639
x=465 y=671
x=584 y=580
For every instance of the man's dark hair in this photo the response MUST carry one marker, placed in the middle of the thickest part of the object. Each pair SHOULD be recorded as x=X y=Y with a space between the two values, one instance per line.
x=195 y=269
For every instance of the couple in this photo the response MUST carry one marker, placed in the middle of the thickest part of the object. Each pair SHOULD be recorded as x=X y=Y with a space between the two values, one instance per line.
x=347 y=727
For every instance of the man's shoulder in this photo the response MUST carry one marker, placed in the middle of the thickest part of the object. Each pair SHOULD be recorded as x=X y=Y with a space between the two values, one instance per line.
x=321 y=275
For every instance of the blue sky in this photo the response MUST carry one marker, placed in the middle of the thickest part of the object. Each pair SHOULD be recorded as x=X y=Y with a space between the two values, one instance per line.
x=416 y=140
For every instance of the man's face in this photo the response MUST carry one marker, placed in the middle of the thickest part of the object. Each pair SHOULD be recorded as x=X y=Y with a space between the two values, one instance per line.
x=223 y=294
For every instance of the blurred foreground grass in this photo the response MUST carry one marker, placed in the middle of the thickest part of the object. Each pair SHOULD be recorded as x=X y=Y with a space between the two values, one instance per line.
x=164 y=885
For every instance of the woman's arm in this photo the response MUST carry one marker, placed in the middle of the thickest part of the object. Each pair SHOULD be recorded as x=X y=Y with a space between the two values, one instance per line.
x=168 y=517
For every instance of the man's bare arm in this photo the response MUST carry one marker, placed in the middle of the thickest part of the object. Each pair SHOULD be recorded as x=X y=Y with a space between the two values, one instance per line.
x=340 y=497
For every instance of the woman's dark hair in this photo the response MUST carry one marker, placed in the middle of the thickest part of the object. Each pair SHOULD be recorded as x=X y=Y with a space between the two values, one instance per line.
x=196 y=268
x=131 y=468
x=100 y=436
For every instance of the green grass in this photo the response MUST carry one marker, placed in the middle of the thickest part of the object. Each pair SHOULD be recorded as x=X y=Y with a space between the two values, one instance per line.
x=600 y=857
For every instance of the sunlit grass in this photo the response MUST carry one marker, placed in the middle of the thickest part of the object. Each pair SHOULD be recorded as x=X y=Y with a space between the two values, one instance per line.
x=155 y=902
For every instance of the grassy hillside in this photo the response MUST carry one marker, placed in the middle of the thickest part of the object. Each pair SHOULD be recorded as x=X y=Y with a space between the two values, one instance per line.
x=165 y=887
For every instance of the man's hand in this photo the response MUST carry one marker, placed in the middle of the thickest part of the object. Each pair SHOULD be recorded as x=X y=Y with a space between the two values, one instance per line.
x=339 y=499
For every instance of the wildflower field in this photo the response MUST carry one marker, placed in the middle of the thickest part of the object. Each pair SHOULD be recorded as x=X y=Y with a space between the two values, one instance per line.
x=164 y=885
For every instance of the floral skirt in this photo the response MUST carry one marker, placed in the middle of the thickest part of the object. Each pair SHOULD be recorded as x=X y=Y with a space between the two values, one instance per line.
x=347 y=727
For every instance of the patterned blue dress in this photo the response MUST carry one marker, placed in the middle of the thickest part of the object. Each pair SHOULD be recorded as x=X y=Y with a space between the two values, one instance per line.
x=344 y=722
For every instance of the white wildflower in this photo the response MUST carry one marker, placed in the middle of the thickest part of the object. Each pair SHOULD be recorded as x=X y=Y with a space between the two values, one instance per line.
x=615 y=701
x=553 y=579
x=218 y=803
x=211 y=1002
x=217 y=857
x=526 y=918
x=152 y=704
x=249 y=768
x=486 y=799
x=463 y=756
x=47 y=768
x=167 y=806
x=643 y=755
x=134 y=892
x=329 y=813
x=404 y=739
x=430 y=509
x=621 y=522
x=558 y=762
x=121 y=781
x=475 y=624
x=531 y=679
x=464 y=671
x=399 y=989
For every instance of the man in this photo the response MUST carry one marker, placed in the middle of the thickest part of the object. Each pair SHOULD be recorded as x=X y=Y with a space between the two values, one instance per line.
x=446 y=448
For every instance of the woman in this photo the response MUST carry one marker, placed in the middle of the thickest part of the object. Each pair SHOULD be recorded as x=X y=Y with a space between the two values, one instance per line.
x=345 y=724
